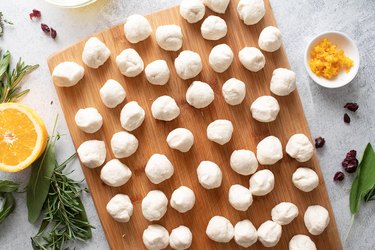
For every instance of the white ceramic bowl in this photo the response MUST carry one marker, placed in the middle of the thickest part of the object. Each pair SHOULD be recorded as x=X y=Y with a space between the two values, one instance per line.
x=70 y=3
x=343 y=42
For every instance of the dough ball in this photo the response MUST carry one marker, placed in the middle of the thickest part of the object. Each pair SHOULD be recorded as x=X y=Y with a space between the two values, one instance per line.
x=316 y=219
x=220 y=131
x=132 y=116
x=220 y=229
x=214 y=28
x=299 y=147
x=251 y=11
x=219 y=6
x=112 y=93
x=169 y=37
x=155 y=237
x=188 y=64
x=123 y=144
x=129 y=63
x=165 y=108
x=209 y=175
x=137 y=28
x=243 y=162
x=183 y=199
x=192 y=10
x=269 y=150
x=301 y=242
x=270 y=39
x=120 y=208
x=265 y=108
x=234 y=91
x=67 y=74
x=88 y=120
x=115 y=173
x=154 y=205
x=283 y=82
x=181 y=139
x=159 y=168
x=157 y=72
x=269 y=233
x=180 y=238
x=220 y=58
x=245 y=234
x=92 y=153
x=252 y=58
x=95 y=53
x=262 y=182
x=199 y=94
x=305 y=179
x=284 y=212
x=240 y=197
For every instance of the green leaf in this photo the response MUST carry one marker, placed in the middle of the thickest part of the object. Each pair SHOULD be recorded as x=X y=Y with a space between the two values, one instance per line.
x=8 y=206
x=8 y=186
x=4 y=63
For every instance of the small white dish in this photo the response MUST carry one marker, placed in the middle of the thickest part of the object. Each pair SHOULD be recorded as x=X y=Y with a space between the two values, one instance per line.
x=70 y=3
x=343 y=42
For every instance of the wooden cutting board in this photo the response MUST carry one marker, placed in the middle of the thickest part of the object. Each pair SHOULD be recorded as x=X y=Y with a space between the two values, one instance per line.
x=152 y=134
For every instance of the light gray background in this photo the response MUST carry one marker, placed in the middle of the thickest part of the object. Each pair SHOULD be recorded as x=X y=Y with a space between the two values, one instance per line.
x=298 y=21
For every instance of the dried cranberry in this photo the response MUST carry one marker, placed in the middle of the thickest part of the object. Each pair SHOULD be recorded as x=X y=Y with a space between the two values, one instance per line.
x=352 y=106
x=350 y=165
x=53 y=33
x=319 y=142
x=45 y=28
x=346 y=118
x=339 y=176
x=35 y=14
x=351 y=154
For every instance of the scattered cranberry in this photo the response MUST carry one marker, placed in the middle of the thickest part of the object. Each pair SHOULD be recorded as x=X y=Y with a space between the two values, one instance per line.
x=352 y=106
x=35 y=14
x=53 y=33
x=350 y=163
x=319 y=142
x=45 y=28
x=351 y=154
x=339 y=176
x=346 y=118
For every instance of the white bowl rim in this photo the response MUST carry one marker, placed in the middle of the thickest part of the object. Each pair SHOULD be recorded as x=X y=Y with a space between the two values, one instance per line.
x=314 y=77
x=71 y=5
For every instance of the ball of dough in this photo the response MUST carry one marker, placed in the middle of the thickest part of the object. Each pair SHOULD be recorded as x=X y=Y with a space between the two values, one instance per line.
x=209 y=175
x=234 y=91
x=165 y=108
x=192 y=10
x=262 y=182
x=243 y=162
x=245 y=234
x=129 y=63
x=67 y=74
x=218 y=6
x=155 y=237
x=269 y=150
x=199 y=94
x=154 y=205
x=283 y=82
x=157 y=72
x=269 y=233
x=299 y=147
x=305 y=179
x=159 y=168
x=95 y=53
x=214 y=28
x=123 y=144
x=284 y=212
x=188 y=64
x=181 y=139
x=132 y=116
x=180 y=238
x=252 y=58
x=183 y=199
x=240 y=197
x=120 y=208
x=265 y=108
x=115 y=173
x=220 y=58
x=220 y=229
x=251 y=11
x=169 y=37
x=137 y=28
x=220 y=131
x=316 y=219
x=88 y=120
x=92 y=153
x=270 y=39
x=112 y=93
x=301 y=242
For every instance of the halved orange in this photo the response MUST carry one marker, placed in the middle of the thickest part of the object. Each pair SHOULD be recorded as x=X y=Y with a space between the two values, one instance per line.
x=23 y=136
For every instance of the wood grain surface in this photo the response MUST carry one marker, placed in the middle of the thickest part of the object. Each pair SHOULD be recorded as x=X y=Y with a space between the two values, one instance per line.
x=152 y=134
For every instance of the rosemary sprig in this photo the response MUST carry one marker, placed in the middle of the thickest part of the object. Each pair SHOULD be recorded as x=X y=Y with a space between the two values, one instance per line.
x=2 y=22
